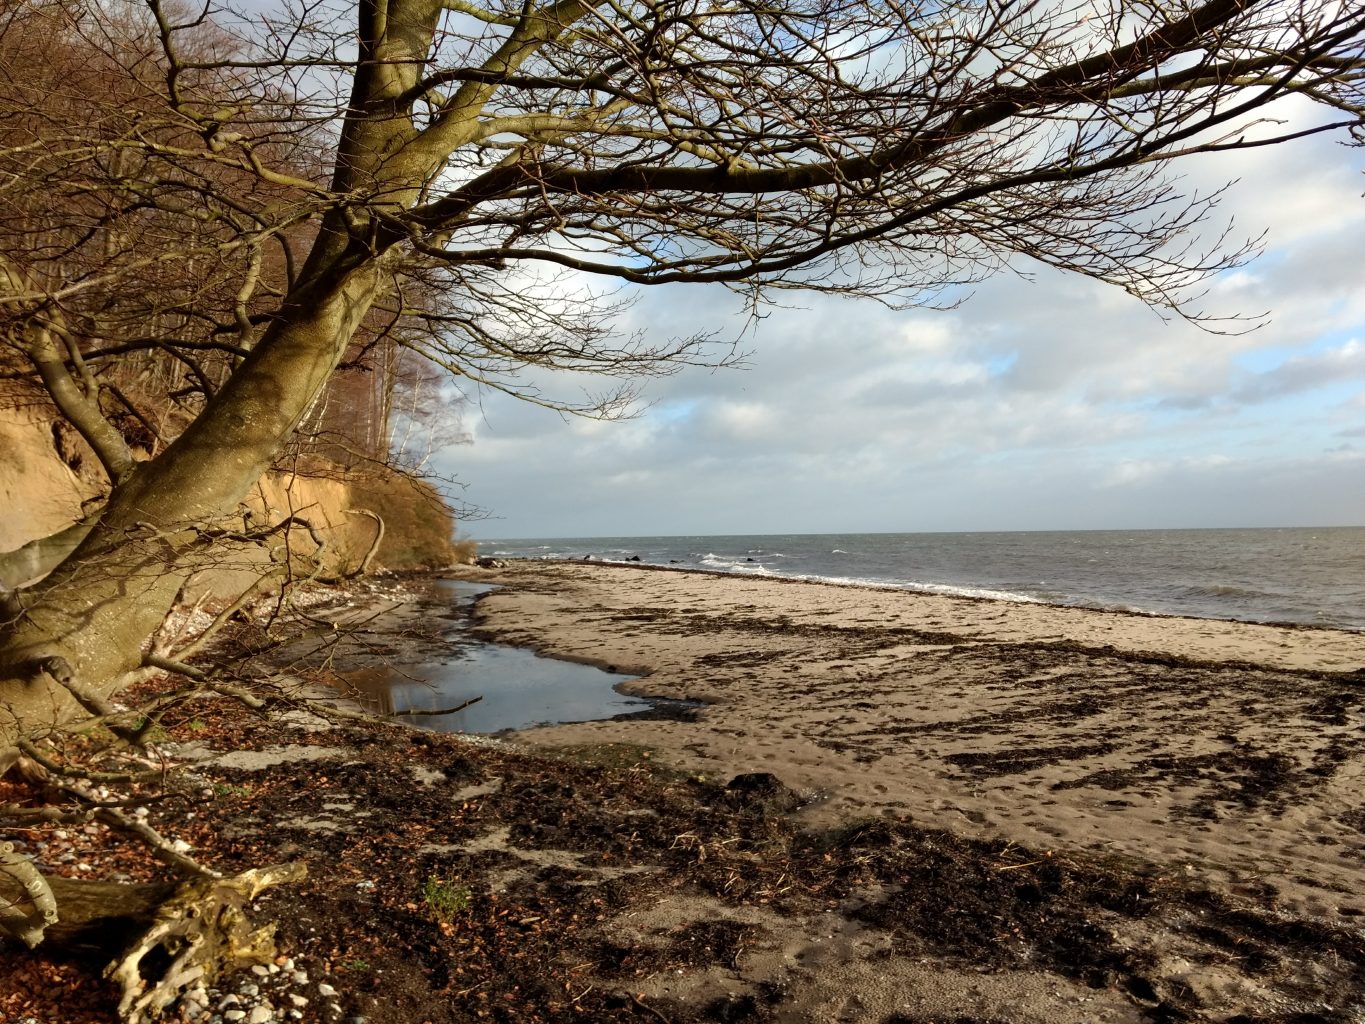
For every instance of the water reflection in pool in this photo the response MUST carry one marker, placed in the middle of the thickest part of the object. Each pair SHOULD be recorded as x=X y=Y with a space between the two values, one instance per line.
x=516 y=688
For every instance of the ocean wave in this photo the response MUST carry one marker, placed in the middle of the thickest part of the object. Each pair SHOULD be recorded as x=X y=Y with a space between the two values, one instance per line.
x=944 y=589
x=980 y=592
x=725 y=563
x=838 y=551
x=1226 y=590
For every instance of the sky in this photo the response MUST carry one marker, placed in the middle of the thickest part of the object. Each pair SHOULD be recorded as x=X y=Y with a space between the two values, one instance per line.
x=1046 y=402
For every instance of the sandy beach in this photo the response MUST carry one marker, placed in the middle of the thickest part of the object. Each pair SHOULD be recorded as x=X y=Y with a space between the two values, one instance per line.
x=1228 y=752
x=892 y=808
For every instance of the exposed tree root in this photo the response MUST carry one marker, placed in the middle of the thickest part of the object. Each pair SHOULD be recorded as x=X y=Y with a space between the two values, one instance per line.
x=198 y=933
x=170 y=937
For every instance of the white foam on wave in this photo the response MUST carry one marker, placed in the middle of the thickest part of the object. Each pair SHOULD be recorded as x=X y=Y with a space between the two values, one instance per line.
x=981 y=592
x=722 y=563
x=946 y=589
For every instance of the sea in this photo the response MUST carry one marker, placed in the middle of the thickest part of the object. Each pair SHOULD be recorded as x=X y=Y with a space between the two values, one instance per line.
x=1312 y=576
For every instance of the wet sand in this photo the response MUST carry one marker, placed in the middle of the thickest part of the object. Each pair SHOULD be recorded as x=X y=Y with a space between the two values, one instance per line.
x=1230 y=754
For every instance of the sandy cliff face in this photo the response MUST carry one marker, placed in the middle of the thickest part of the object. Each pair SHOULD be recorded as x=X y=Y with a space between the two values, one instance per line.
x=40 y=492
x=45 y=479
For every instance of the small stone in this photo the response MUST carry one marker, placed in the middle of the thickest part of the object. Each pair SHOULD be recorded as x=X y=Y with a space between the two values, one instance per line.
x=228 y=1001
x=298 y=1000
x=334 y=1009
x=295 y=1015
x=248 y=989
x=273 y=969
x=300 y=977
x=260 y=1015
x=234 y=1014
x=259 y=971
x=326 y=990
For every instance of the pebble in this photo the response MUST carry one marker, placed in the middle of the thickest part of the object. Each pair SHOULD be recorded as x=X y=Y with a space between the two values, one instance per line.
x=326 y=990
x=254 y=998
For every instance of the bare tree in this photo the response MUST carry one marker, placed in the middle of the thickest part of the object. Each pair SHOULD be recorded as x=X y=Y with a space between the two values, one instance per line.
x=463 y=166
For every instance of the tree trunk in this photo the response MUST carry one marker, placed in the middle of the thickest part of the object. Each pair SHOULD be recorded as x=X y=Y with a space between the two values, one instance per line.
x=103 y=917
x=87 y=622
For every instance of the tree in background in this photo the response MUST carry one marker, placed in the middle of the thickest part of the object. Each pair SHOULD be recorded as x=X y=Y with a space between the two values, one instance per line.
x=237 y=205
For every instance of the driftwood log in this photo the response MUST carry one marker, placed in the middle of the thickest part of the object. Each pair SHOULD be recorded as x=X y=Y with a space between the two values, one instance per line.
x=164 y=937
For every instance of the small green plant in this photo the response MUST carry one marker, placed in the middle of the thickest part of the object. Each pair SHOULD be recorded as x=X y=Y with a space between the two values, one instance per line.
x=356 y=965
x=229 y=789
x=196 y=725
x=445 y=899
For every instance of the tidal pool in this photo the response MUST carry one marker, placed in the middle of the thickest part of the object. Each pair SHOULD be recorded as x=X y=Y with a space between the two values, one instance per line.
x=516 y=688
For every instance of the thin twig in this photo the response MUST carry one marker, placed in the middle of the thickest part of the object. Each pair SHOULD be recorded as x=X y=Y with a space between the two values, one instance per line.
x=645 y=1006
x=422 y=712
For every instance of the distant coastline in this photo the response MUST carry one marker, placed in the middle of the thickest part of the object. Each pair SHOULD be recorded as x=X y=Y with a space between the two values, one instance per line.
x=1287 y=576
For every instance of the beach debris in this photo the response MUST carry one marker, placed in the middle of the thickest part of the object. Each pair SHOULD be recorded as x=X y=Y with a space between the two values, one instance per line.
x=761 y=791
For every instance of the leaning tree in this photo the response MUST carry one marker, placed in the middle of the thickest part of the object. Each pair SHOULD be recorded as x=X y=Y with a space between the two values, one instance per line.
x=252 y=191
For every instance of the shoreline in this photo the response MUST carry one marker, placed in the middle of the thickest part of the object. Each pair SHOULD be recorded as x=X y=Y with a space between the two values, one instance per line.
x=902 y=588
x=1224 y=749
x=1349 y=642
